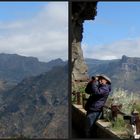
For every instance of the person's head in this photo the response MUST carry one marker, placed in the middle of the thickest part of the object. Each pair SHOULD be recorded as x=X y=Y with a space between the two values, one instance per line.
x=104 y=79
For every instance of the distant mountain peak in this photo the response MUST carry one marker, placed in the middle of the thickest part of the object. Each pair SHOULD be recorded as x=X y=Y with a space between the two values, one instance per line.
x=56 y=60
x=124 y=72
x=7 y=56
x=124 y=58
x=14 y=67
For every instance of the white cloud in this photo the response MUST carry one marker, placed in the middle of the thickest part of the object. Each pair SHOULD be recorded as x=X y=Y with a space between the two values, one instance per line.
x=115 y=50
x=44 y=36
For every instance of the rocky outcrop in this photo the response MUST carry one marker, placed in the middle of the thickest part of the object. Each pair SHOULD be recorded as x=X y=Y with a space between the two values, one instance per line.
x=81 y=11
x=130 y=64
x=124 y=72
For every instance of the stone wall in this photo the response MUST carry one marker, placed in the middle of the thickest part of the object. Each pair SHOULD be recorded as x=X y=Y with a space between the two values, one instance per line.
x=81 y=11
x=103 y=126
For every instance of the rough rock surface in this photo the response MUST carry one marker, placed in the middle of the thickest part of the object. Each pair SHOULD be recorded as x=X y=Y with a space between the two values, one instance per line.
x=80 y=11
x=37 y=107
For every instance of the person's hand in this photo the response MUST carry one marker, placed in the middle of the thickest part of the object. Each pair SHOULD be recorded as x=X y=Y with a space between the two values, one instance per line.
x=96 y=82
x=96 y=78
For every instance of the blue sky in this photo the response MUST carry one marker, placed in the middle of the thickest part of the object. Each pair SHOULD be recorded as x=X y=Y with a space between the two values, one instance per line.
x=114 y=32
x=30 y=29
x=10 y=11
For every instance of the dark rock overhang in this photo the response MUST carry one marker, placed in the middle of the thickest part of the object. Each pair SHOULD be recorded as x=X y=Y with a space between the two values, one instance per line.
x=84 y=10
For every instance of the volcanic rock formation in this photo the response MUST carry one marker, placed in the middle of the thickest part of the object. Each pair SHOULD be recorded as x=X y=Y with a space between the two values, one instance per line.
x=81 y=11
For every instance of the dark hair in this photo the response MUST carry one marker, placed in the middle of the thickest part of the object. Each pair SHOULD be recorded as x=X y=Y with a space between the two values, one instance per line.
x=93 y=77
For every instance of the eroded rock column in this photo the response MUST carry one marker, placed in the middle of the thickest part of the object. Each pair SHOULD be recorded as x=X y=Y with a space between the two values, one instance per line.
x=80 y=11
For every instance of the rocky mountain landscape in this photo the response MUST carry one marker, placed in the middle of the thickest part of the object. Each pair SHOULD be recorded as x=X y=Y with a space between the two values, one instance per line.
x=124 y=72
x=14 y=68
x=37 y=107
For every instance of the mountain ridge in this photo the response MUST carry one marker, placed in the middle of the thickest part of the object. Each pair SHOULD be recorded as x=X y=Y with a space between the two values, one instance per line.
x=124 y=72
x=14 y=67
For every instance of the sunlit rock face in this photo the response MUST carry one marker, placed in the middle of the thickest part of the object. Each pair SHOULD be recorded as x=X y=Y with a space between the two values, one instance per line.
x=81 y=11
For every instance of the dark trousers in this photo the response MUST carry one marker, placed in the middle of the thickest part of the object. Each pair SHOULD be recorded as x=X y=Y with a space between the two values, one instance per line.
x=90 y=126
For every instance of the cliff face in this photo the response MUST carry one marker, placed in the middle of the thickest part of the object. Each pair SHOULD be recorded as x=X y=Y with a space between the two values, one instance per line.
x=80 y=11
x=124 y=72
x=130 y=64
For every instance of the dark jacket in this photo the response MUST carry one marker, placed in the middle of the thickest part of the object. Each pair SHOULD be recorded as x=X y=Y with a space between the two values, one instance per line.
x=98 y=97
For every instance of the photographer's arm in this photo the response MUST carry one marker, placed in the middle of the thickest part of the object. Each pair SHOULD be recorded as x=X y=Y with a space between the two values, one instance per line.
x=100 y=90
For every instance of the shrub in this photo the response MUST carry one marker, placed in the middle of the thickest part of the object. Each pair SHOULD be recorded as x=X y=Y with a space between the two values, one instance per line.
x=129 y=101
x=118 y=124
